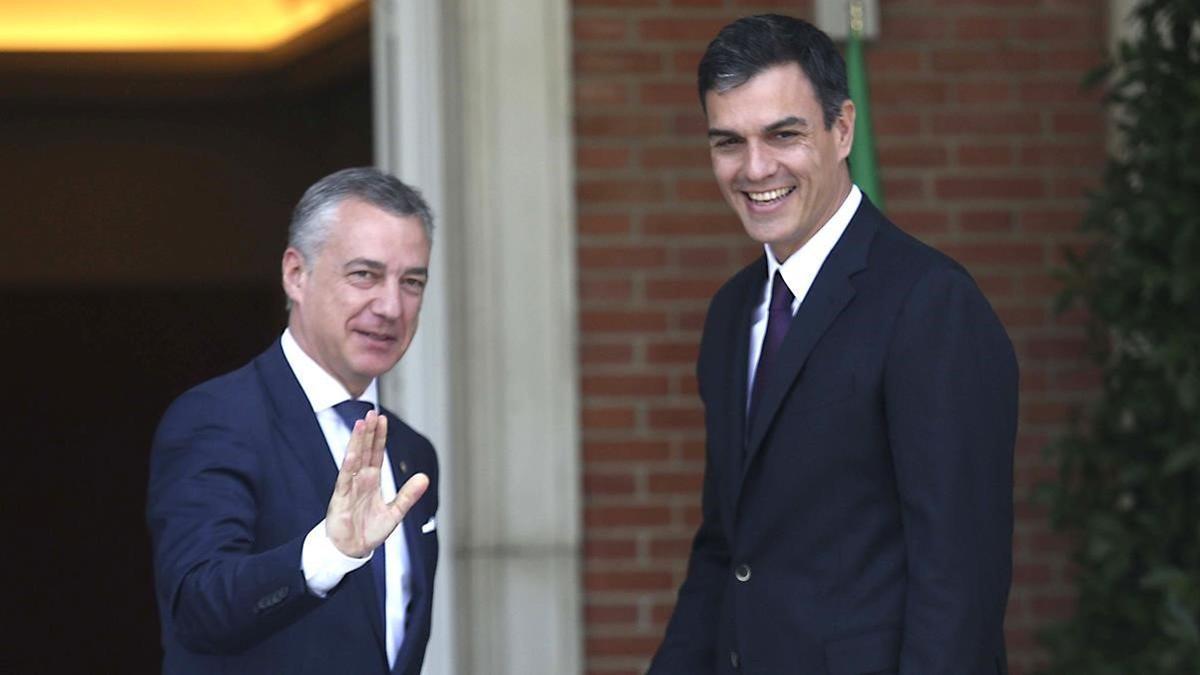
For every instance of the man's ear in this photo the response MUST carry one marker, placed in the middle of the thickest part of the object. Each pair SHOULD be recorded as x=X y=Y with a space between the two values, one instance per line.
x=295 y=274
x=843 y=129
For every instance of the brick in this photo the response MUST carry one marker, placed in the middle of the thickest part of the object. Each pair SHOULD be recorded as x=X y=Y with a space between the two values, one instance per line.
x=625 y=451
x=617 y=516
x=601 y=157
x=628 y=581
x=600 y=191
x=978 y=62
x=680 y=224
x=681 y=289
x=617 y=321
x=672 y=352
x=686 y=483
x=622 y=646
x=976 y=28
x=609 y=548
x=989 y=188
x=983 y=93
x=624 y=385
x=897 y=124
x=610 y=614
x=606 y=290
x=1063 y=28
x=599 y=29
x=912 y=156
x=674 y=93
x=677 y=548
x=1087 y=124
x=603 y=223
x=979 y=124
x=618 y=126
x=677 y=29
x=589 y=93
x=895 y=93
x=997 y=253
x=1067 y=91
x=1051 y=221
x=986 y=221
x=889 y=61
x=984 y=156
x=621 y=257
x=617 y=62
x=690 y=417
x=693 y=156
x=605 y=354
x=919 y=28
x=698 y=191
x=621 y=417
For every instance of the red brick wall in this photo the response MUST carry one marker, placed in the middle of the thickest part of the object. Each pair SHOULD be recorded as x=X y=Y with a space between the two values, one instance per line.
x=986 y=144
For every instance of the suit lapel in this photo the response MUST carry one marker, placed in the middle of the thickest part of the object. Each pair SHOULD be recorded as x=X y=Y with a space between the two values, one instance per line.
x=402 y=470
x=298 y=426
x=735 y=388
x=831 y=291
x=295 y=421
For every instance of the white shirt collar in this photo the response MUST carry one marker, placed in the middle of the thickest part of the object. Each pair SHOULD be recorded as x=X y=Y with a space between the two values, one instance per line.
x=801 y=267
x=321 y=388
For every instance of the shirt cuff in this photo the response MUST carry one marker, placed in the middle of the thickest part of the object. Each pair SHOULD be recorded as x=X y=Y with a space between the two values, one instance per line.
x=323 y=564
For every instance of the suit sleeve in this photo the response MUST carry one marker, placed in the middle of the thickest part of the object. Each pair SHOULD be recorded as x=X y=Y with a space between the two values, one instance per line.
x=951 y=406
x=217 y=591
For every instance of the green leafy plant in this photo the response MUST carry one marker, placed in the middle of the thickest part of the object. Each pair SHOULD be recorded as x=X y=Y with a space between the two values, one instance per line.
x=1129 y=473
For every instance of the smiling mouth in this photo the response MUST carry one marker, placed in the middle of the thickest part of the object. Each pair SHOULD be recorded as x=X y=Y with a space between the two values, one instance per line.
x=769 y=196
x=377 y=337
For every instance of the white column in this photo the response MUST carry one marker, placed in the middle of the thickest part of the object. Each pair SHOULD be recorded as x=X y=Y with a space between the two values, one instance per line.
x=408 y=76
x=474 y=108
x=520 y=545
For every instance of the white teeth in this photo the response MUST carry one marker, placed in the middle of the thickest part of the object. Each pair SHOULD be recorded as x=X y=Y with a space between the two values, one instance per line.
x=769 y=195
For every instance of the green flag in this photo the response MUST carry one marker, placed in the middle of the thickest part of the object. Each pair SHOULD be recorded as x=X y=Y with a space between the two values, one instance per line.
x=864 y=169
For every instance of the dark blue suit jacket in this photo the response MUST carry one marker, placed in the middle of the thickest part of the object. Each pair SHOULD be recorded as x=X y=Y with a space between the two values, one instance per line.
x=239 y=474
x=863 y=522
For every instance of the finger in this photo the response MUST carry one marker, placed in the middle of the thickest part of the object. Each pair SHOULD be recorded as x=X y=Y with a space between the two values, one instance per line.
x=408 y=495
x=352 y=461
x=379 y=449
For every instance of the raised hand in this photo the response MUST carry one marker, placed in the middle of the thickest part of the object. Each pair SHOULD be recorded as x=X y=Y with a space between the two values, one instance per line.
x=358 y=519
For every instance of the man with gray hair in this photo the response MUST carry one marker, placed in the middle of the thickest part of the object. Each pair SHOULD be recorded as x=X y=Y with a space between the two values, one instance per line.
x=292 y=518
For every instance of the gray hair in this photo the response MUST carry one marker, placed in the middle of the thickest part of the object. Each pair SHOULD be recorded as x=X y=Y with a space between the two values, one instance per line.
x=314 y=213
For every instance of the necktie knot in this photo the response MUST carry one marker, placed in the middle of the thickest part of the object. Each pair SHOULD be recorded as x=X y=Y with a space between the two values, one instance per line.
x=352 y=410
x=781 y=295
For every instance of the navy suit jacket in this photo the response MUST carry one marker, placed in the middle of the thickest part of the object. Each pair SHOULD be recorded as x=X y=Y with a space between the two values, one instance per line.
x=862 y=523
x=239 y=474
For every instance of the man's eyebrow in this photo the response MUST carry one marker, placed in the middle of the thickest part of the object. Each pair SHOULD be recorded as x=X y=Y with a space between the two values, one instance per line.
x=416 y=271
x=365 y=262
x=791 y=121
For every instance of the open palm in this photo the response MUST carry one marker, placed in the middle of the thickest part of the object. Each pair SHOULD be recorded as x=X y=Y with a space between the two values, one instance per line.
x=358 y=518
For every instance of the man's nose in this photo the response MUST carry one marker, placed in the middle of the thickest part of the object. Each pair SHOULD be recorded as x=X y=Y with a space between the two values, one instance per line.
x=387 y=302
x=760 y=162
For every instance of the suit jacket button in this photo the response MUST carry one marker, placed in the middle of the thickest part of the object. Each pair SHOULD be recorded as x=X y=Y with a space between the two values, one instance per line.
x=734 y=660
x=742 y=573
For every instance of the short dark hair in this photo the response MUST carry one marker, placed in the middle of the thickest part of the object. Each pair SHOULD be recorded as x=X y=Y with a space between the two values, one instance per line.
x=310 y=220
x=753 y=44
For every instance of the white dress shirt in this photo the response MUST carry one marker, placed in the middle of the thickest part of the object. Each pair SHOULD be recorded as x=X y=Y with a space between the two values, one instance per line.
x=320 y=561
x=798 y=271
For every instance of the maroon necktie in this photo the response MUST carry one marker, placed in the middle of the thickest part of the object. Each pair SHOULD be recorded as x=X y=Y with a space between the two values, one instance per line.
x=779 y=317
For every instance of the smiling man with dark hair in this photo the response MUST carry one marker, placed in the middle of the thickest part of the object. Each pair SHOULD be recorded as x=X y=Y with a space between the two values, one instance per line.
x=860 y=402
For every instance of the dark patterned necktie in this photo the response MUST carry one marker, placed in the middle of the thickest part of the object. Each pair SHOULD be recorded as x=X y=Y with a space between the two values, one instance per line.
x=779 y=317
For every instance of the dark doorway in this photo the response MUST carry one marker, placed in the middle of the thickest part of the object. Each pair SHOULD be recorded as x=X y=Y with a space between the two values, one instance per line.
x=145 y=209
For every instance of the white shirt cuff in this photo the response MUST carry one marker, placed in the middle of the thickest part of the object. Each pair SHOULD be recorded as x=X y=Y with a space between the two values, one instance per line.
x=323 y=564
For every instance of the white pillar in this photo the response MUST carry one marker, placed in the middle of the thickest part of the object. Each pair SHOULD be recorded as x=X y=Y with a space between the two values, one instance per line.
x=474 y=108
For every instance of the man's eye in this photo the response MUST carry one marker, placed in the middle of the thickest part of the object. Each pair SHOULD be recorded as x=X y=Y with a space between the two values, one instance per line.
x=362 y=275
x=415 y=283
x=726 y=143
